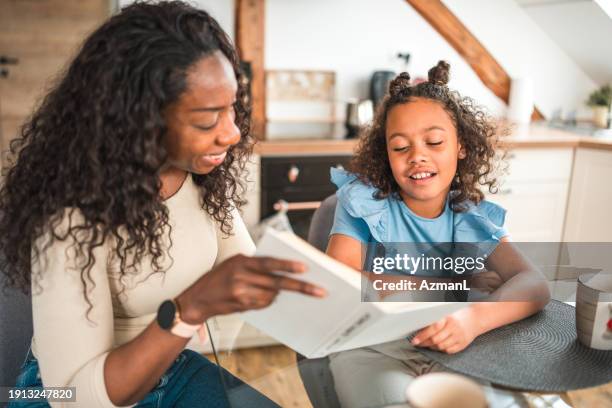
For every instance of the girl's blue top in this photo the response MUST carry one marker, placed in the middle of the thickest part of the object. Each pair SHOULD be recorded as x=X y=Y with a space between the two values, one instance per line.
x=362 y=216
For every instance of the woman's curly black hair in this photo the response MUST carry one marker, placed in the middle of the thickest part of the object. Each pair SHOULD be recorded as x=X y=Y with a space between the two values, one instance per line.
x=476 y=130
x=96 y=143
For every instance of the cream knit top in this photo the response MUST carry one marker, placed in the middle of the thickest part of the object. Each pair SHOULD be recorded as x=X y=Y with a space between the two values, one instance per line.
x=71 y=349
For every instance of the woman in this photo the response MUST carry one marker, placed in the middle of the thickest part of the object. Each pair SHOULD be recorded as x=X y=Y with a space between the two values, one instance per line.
x=124 y=197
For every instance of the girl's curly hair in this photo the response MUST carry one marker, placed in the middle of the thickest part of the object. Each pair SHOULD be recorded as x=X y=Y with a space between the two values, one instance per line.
x=476 y=130
x=96 y=143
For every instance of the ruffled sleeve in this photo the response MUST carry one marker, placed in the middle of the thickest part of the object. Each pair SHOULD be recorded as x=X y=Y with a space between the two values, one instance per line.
x=358 y=200
x=478 y=230
x=482 y=224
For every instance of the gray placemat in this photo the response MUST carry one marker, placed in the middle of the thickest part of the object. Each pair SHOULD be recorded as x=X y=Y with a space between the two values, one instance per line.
x=540 y=353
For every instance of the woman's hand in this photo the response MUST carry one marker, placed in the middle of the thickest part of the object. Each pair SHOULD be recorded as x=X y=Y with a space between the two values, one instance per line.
x=451 y=334
x=241 y=283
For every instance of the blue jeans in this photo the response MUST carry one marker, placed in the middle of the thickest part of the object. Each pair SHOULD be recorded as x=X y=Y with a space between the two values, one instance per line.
x=191 y=381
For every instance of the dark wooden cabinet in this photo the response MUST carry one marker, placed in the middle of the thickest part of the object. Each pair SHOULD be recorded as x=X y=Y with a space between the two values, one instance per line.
x=297 y=179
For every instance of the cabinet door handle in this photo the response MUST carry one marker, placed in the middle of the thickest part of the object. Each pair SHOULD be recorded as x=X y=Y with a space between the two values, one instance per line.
x=282 y=205
x=505 y=191
x=293 y=173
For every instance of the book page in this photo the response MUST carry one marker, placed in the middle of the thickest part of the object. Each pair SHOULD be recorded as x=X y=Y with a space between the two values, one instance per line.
x=304 y=322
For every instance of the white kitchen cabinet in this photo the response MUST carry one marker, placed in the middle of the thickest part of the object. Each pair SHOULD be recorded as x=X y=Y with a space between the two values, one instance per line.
x=535 y=211
x=539 y=165
x=589 y=216
x=534 y=193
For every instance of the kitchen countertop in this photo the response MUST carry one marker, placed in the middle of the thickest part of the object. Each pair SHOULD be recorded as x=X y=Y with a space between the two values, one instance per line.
x=534 y=136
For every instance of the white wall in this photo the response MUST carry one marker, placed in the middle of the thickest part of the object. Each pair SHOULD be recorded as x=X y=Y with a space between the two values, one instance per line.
x=523 y=48
x=357 y=37
x=586 y=39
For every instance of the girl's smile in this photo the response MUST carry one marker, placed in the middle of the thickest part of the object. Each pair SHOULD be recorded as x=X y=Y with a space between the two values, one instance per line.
x=422 y=175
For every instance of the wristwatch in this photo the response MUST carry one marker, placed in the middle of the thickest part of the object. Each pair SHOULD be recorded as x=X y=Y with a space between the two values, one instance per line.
x=169 y=318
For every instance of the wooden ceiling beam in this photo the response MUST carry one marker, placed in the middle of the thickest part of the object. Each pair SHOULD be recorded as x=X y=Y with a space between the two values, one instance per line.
x=250 y=26
x=490 y=72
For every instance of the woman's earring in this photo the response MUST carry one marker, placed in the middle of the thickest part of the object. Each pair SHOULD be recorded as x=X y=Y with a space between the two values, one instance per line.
x=457 y=179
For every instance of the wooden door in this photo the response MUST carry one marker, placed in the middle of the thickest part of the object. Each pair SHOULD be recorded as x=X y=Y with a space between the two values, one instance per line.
x=38 y=37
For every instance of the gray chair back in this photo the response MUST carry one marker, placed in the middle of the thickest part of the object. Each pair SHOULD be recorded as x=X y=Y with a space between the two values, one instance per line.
x=16 y=329
x=321 y=224
x=315 y=374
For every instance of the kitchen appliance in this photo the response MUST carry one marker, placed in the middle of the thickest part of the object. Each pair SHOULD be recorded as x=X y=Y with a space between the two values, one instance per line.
x=379 y=84
x=358 y=114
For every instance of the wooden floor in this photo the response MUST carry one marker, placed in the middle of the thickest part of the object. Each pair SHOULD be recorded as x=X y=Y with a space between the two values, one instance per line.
x=271 y=370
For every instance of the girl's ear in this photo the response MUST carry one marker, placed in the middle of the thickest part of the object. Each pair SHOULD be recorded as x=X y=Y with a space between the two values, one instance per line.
x=462 y=154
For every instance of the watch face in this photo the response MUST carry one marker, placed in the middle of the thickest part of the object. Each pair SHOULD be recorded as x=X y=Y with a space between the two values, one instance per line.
x=165 y=314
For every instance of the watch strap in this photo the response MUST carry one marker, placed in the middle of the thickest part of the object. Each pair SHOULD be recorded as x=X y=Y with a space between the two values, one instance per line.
x=186 y=330
x=182 y=329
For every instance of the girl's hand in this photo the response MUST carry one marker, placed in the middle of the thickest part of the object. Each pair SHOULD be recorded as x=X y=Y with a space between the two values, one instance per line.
x=451 y=334
x=241 y=283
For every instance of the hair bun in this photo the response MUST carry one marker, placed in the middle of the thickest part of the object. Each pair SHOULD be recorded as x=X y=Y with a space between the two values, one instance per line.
x=440 y=74
x=399 y=83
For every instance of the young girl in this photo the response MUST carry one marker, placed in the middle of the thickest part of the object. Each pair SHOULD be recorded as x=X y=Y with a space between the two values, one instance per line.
x=416 y=178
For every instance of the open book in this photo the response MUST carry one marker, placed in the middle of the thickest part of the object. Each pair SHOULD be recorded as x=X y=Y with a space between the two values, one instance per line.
x=316 y=327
